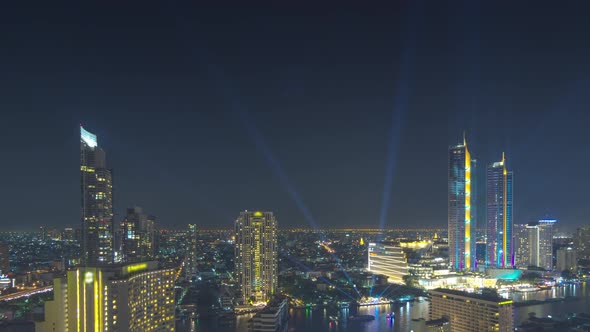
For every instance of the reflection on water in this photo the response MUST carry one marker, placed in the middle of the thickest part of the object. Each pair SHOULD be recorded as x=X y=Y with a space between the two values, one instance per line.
x=319 y=319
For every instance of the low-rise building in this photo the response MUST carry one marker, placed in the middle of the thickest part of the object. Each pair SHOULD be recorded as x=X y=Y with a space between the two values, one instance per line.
x=273 y=317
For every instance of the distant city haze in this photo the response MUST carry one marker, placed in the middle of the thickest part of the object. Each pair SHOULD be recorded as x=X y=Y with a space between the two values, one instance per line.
x=339 y=120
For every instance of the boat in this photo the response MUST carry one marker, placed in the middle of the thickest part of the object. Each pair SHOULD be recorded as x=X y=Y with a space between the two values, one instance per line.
x=390 y=315
x=361 y=318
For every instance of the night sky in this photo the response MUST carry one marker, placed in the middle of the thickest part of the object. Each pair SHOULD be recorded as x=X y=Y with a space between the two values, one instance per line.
x=319 y=114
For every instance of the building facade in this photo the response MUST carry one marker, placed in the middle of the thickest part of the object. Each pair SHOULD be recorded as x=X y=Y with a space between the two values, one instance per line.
x=387 y=260
x=138 y=236
x=541 y=243
x=499 y=237
x=190 y=262
x=273 y=318
x=522 y=249
x=97 y=201
x=567 y=260
x=470 y=312
x=4 y=258
x=137 y=297
x=256 y=255
x=582 y=242
x=461 y=208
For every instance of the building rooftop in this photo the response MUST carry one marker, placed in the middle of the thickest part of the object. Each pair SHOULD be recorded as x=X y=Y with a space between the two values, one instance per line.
x=485 y=297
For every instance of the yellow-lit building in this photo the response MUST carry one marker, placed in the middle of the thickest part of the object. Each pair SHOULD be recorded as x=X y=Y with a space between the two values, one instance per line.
x=256 y=255
x=469 y=312
x=387 y=260
x=136 y=297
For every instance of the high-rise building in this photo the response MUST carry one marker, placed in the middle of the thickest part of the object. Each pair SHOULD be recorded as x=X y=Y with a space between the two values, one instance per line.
x=190 y=262
x=567 y=260
x=387 y=260
x=256 y=255
x=541 y=243
x=499 y=238
x=138 y=236
x=461 y=214
x=470 y=312
x=137 y=297
x=96 y=203
x=522 y=248
x=4 y=258
x=582 y=242
x=68 y=234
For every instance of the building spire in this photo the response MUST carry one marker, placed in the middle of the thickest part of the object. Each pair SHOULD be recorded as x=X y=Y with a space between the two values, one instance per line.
x=464 y=139
x=503 y=157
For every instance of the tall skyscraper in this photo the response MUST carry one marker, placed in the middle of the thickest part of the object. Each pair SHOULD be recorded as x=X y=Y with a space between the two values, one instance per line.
x=256 y=255
x=138 y=236
x=137 y=298
x=387 y=260
x=499 y=238
x=96 y=203
x=461 y=214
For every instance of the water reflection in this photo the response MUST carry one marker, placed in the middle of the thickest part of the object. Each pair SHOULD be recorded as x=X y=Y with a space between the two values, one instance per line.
x=407 y=316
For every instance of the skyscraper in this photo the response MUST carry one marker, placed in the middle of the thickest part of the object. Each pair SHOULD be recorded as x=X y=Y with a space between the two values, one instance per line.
x=387 y=260
x=542 y=245
x=190 y=261
x=522 y=249
x=567 y=260
x=582 y=242
x=4 y=258
x=461 y=216
x=97 y=201
x=138 y=236
x=499 y=239
x=256 y=254
x=137 y=297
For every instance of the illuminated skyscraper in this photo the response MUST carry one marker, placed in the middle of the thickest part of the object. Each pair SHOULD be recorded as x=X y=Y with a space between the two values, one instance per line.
x=138 y=236
x=135 y=298
x=97 y=201
x=256 y=255
x=499 y=238
x=461 y=211
x=387 y=260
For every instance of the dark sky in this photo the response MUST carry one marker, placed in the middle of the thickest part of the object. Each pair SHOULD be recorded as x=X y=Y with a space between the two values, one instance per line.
x=296 y=108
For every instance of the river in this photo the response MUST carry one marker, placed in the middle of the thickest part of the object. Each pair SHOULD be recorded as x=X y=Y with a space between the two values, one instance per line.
x=319 y=319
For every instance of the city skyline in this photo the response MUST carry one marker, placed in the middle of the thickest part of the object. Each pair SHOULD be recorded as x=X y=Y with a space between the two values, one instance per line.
x=176 y=108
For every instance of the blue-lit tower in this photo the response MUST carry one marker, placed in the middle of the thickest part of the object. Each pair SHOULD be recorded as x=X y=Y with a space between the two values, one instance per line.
x=499 y=237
